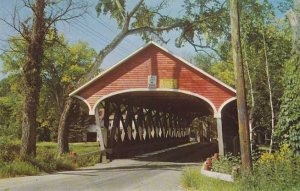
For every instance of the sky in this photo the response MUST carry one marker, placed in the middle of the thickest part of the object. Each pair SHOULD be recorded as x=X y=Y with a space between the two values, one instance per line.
x=97 y=32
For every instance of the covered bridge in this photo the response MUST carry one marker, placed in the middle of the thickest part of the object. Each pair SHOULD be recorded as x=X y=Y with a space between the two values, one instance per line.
x=157 y=92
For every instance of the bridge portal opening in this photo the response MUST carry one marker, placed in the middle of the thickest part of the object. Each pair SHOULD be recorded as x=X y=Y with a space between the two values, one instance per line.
x=136 y=117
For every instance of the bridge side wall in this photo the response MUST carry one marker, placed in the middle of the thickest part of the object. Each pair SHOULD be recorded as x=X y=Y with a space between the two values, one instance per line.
x=154 y=61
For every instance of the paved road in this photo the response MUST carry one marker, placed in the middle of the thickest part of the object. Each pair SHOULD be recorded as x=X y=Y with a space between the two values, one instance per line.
x=155 y=171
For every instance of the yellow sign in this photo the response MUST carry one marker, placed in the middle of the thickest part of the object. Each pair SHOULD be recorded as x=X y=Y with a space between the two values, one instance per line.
x=168 y=83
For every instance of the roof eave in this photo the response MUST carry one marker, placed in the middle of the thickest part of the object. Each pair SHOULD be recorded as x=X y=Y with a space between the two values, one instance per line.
x=139 y=50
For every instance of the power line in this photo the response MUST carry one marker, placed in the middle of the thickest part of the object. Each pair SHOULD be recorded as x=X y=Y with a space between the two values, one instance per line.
x=96 y=33
x=99 y=20
x=96 y=39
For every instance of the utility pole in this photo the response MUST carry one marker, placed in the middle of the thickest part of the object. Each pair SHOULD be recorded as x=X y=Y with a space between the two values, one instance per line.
x=240 y=88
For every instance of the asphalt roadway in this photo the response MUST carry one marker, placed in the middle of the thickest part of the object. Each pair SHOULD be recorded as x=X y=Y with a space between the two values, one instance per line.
x=156 y=171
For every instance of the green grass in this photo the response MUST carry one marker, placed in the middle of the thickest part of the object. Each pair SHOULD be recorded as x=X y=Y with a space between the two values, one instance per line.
x=192 y=179
x=17 y=168
x=282 y=174
x=79 y=148
x=46 y=159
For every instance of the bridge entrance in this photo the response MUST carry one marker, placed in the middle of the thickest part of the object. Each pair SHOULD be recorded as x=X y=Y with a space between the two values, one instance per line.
x=154 y=95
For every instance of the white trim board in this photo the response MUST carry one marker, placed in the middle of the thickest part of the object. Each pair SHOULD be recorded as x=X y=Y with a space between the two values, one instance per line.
x=139 y=50
x=224 y=104
x=213 y=107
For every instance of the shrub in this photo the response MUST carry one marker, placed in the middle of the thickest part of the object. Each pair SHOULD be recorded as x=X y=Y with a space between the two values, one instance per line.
x=65 y=163
x=17 y=168
x=47 y=161
x=226 y=163
x=9 y=150
x=88 y=160
x=278 y=171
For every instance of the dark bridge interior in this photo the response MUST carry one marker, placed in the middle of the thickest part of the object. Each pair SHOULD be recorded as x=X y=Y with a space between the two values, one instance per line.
x=144 y=121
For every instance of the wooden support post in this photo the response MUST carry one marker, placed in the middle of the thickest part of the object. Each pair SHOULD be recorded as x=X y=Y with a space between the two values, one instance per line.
x=180 y=127
x=127 y=123
x=136 y=126
x=136 y=139
x=149 y=124
x=176 y=125
x=171 y=123
x=106 y=121
x=116 y=124
x=185 y=126
x=220 y=136
x=157 y=121
x=164 y=125
x=140 y=124
x=101 y=142
x=168 y=129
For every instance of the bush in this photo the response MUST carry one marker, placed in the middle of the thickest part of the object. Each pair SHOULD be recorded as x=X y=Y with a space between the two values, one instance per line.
x=9 y=150
x=17 y=168
x=226 y=163
x=48 y=161
x=65 y=163
x=88 y=160
x=278 y=171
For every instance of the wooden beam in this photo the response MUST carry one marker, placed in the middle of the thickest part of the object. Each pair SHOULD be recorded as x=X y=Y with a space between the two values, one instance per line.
x=116 y=124
x=101 y=142
x=106 y=120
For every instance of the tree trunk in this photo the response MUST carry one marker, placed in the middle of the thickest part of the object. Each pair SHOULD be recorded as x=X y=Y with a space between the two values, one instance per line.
x=32 y=80
x=240 y=87
x=252 y=102
x=63 y=128
x=270 y=93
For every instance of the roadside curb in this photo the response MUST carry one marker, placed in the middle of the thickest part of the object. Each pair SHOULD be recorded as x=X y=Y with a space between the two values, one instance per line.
x=217 y=175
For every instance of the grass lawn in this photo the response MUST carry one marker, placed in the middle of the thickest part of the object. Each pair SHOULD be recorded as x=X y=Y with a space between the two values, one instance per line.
x=192 y=179
x=46 y=159
x=79 y=148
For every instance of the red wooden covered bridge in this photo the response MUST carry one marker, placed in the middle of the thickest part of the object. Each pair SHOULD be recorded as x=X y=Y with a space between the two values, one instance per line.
x=155 y=94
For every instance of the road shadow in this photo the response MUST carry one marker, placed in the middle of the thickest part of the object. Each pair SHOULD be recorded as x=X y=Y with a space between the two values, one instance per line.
x=194 y=153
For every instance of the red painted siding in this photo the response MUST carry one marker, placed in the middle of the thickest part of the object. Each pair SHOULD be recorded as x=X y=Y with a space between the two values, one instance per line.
x=155 y=61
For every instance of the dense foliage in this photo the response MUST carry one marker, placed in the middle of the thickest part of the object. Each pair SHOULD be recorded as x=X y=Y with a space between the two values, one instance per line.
x=266 y=39
x=63 y=66
x=46 y=159
x=272 y=172
x=288 y=127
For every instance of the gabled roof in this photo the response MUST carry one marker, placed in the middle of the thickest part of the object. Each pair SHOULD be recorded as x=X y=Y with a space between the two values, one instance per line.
x=141 y=49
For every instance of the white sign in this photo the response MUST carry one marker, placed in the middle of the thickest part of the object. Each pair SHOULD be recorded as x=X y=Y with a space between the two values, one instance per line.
x=152 y=81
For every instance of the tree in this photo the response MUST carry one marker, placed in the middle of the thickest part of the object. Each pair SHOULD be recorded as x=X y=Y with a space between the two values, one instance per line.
x=263 y=36
x=288 y=126
x=63 y=64
x=240 y=87
x=10 y=106
x=219 y=68
x=35 y=36
x=34 y=30
x=206 y=24
x=266 y=43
